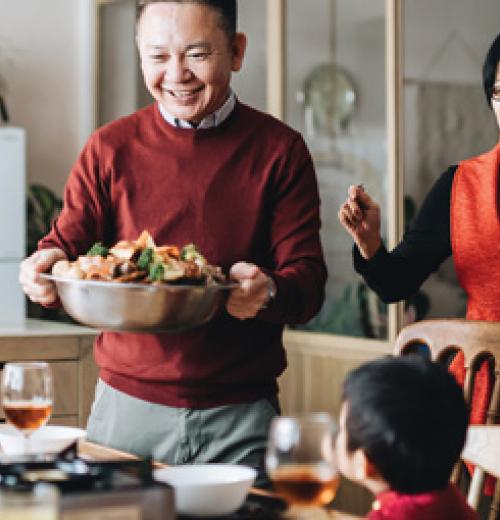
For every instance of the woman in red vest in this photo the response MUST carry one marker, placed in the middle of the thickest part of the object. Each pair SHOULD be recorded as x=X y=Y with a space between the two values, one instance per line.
x=460 y=216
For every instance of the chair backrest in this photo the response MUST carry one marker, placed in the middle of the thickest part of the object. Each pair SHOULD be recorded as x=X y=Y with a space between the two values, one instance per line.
x=477 y=340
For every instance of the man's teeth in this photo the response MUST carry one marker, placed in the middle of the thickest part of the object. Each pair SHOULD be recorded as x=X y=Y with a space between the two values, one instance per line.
x=182 y=93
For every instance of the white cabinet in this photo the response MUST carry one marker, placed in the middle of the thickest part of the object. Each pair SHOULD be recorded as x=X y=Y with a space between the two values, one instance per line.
x=12 y=192
x=12 y=220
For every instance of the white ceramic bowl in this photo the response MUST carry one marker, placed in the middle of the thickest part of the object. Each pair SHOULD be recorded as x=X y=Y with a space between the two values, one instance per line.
x=208 y=489
x=48 y=439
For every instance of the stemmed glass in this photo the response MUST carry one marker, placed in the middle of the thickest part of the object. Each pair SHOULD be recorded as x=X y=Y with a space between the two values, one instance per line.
x=300 y=462
x=27 y=396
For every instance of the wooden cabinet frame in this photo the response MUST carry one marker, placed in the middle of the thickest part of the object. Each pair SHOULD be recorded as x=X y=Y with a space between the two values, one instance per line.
x=276 y=95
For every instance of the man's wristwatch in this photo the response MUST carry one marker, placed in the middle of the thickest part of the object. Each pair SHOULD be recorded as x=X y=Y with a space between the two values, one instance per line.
x=271 y=292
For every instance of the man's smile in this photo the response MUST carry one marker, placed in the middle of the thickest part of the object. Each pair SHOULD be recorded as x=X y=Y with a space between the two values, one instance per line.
x=183 y=93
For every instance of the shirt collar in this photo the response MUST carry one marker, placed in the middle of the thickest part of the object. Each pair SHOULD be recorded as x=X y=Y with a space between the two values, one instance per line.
x=212 y=120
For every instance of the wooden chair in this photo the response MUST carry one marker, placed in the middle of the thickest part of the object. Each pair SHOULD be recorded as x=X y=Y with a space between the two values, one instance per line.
x=477 y=340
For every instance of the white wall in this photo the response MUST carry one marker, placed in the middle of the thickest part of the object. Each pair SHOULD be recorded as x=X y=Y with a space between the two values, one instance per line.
x=444 y=49
x=41 y=66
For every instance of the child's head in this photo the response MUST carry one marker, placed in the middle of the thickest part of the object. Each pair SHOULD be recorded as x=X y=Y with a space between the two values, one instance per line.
x=402 y=426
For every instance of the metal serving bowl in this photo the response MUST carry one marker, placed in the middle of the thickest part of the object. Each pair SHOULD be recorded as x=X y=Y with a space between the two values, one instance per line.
x=139 y=307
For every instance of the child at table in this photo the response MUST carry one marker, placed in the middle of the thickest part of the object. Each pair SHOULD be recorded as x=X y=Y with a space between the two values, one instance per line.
x=402 y=428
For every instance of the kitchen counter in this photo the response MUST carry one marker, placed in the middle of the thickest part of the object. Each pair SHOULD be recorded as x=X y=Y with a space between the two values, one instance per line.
x=68 y=350
x=31 y=328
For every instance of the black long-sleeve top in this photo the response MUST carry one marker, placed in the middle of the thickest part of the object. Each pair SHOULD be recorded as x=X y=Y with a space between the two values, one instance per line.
x=398 y=274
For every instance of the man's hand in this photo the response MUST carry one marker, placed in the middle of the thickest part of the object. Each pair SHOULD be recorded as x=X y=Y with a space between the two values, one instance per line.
x=36 y=288
x=360 y=216
x=248 y=299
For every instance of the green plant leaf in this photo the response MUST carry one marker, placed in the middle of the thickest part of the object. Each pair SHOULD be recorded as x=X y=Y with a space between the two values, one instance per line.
x=42 y=207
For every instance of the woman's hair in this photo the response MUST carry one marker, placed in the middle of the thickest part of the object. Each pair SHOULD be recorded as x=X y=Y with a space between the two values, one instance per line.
x=490 y=68
x=226 y=9
x=409 y=416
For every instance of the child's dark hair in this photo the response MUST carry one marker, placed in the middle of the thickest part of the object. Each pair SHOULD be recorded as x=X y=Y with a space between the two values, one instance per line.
x=409 y=416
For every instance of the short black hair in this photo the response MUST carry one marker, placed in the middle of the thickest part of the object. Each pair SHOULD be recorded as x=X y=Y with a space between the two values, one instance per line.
x=490 y=67
x=226 y=9
x=409 y=416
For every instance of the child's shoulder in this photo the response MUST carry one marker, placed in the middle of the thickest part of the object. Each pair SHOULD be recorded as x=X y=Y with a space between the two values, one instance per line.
x=445 y=504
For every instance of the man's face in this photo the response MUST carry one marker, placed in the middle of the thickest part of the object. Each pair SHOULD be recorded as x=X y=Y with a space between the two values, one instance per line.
x=187 y=58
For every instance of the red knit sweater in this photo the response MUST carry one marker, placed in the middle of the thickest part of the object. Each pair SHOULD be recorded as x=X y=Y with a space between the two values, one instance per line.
x=443 y=504
x=243 y=191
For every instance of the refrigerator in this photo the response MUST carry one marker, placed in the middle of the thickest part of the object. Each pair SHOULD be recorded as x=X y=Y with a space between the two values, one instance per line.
x=12 y=223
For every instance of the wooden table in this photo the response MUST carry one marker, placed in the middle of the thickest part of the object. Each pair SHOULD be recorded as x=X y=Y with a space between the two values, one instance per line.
x=483 y=448
x=93 y=451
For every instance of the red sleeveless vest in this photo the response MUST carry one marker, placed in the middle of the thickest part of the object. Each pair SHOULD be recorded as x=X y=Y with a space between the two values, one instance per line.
x=475 y=233
x=475 y=243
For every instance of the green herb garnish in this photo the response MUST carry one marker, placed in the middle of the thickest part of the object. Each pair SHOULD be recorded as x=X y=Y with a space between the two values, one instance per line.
x=156 y=272
x=190 y=252
x=145 y=259
x=98 y=250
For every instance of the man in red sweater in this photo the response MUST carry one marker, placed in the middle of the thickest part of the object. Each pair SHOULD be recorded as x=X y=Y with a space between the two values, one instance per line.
x=196 y=166
x=402 y=429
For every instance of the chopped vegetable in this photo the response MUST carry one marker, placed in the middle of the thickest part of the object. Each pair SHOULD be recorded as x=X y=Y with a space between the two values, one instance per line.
x=98 y=250
x=156 y=272
x=191 y=253
x=145 y=259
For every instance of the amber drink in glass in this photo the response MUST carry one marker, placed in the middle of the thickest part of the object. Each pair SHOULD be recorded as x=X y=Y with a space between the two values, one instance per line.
x=300 y=460
x=27 y=396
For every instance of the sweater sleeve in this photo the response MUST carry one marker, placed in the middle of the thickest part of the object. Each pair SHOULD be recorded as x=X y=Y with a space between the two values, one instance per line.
x=85 y=216
x=300 y=271
x=398 y=274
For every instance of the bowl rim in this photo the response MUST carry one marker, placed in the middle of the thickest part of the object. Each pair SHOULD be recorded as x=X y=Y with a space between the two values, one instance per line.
x=249 y=474
x=227 y=286
x=8 y=430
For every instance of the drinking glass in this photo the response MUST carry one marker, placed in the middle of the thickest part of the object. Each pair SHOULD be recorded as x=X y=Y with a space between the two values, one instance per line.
x=27 y=396
x=300 y=461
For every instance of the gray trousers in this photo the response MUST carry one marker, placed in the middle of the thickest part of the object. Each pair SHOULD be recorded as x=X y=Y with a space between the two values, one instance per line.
x=234 y=434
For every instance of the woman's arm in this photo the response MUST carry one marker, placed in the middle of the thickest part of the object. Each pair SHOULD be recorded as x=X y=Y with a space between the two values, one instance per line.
x=398 y=274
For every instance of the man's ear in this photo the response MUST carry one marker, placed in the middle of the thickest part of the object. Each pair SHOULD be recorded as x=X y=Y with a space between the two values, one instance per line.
x=238 y=48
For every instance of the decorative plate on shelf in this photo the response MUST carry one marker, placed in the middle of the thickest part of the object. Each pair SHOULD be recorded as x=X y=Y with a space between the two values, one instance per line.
x=331 y=96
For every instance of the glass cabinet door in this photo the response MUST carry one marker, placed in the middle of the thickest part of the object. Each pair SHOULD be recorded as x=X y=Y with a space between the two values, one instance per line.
x=336 y=86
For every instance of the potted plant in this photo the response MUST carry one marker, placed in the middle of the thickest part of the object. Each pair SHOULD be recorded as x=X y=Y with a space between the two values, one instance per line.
x=42 y=207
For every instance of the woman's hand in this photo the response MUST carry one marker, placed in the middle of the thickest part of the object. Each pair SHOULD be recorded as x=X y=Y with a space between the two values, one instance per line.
x=252 y=294
x=360 y=216
x=36 y=288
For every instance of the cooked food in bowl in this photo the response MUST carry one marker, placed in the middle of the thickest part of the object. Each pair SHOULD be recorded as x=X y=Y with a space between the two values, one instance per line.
x=141 y=260
x=138 y=286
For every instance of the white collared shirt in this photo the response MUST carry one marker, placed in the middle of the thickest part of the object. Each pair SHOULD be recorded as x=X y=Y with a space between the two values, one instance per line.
x=210 y=121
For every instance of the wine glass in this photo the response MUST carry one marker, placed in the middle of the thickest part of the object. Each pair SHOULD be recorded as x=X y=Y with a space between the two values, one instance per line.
x=300 y=461
x=27 y=396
